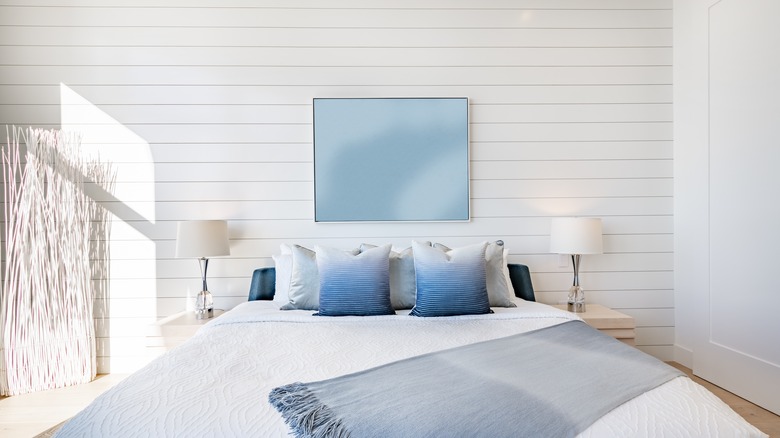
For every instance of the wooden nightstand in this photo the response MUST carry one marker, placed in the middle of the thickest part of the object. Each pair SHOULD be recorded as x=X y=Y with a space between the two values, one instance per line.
x=174 y=330
x=618 y=325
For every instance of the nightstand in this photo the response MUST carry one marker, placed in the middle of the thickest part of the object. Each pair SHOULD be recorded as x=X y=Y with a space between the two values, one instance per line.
x=174 y=330
x=618 y=325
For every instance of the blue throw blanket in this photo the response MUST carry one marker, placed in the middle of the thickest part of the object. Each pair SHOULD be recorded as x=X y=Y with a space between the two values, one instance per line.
x=553 y=382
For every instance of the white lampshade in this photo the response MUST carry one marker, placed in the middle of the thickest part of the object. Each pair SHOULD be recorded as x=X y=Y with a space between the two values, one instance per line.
x=576 y=235
x=202 y=239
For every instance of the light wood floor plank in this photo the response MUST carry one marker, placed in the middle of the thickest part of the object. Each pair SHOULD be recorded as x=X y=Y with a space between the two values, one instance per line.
x=24 y=416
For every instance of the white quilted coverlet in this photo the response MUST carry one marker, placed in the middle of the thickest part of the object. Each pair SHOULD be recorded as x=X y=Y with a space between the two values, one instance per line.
x=217 y=383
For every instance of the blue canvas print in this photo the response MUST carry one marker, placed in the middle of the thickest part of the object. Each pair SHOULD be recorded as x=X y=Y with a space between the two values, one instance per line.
x=391 y=159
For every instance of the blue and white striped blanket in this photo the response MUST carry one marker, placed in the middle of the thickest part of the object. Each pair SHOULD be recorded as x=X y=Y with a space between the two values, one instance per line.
x=552 y=382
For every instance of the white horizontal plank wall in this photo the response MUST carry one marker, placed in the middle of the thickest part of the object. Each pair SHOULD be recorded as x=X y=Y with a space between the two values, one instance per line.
x=206 y=111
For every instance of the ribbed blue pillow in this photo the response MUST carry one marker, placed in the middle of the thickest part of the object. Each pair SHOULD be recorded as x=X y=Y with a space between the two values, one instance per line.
x=498 y=285
x=450 y=283
x=354 y=284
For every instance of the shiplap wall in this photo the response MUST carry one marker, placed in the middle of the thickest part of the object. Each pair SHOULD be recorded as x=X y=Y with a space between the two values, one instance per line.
x=206 y=111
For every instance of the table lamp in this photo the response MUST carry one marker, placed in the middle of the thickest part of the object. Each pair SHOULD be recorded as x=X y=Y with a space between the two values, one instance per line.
x=202 y=239
x=576 y=236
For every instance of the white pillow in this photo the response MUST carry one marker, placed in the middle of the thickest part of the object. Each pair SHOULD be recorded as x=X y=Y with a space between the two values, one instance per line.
x=283 y=265
x=509 y=286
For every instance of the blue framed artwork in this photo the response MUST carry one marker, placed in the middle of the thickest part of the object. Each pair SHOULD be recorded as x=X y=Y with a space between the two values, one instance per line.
x=391 y=159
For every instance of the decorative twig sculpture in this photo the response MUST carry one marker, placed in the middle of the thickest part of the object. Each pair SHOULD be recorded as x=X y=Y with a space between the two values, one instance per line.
x=54 y=233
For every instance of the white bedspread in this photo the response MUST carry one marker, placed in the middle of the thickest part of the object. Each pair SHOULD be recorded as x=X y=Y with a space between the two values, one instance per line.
x=217 y=383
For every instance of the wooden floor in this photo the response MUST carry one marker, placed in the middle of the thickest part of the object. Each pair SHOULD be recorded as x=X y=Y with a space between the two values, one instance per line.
x=25 y=416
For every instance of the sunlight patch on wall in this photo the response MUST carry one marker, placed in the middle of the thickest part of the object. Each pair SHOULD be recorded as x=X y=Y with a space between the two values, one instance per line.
x=124 y=315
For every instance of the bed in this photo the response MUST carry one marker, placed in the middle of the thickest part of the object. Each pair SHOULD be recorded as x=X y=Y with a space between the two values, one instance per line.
x=218 y=382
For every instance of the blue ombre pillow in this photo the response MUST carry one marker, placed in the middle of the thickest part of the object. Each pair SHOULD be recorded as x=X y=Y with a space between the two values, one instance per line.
x=354 y=284
x=452 y=282
x=304 y=284
x=499 y=286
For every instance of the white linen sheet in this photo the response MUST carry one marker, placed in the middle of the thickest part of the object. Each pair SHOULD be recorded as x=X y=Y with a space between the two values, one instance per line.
x=217 y=383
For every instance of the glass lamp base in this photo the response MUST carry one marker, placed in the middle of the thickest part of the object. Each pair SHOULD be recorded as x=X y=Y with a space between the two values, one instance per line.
x=576 y=300
x=204 y=305
x=204 y=314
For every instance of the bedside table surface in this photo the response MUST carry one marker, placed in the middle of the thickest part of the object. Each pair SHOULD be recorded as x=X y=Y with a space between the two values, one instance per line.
x=602 y=317
x=177 y=327
x=187 y=318
x=608 y=321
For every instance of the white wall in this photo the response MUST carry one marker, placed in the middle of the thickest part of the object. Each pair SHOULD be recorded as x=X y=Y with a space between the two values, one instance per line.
x=206 y=110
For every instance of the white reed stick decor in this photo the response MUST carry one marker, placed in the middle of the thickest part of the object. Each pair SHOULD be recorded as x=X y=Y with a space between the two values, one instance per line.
x=47 y=331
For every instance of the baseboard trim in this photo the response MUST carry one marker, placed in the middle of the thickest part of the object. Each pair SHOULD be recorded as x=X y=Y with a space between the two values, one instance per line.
x=683 y=356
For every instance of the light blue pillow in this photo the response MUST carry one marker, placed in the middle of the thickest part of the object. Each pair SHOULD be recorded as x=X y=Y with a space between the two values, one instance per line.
x=450 y=283
x=304 y=288
x=402 y=283
x=354 y=284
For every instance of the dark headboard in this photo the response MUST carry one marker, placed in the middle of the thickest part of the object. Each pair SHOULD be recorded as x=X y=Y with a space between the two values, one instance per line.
x=264 y=283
